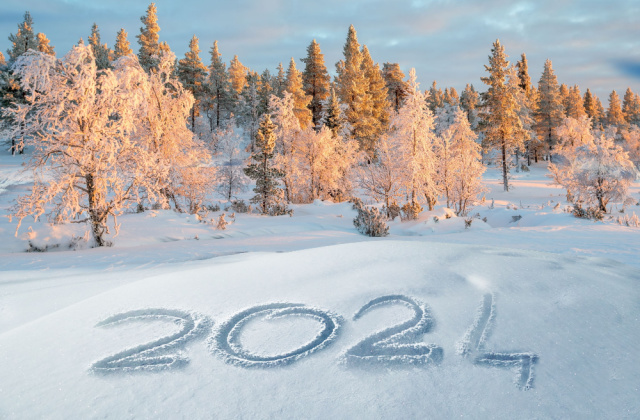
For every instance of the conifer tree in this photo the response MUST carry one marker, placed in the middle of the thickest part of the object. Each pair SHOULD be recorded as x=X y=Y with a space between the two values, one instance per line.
x=149 y=40
x=249 y=105
x=377 y=90
x=280 y=82
x=574 y=107
x=43 y=44
x=523 y=74
x=615 y=116
x=192 y=73
x=301 y=101
x=23 y=40
x=550 y=112
x=100 y=51
x=631 y=107
x=396 y=85
x=451 y=96
x=218 y=100
x=469 y=100
x=589 y=103
x=265 y=90
x=435 y=99
x=3 y=62
x=262 y=171
x=237 y=75
x=501 y=122
x=564 y=97
x=315 y=80
x=333 y=116
x=122 y=47
x=599 y=114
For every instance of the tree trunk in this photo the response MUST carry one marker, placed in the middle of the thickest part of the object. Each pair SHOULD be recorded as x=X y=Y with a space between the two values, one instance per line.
x=94 y=216
x=505 y=179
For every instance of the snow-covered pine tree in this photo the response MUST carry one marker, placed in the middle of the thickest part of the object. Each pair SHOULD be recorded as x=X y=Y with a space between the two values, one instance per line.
x=44 y=45
x=315 y=80
x=615 y=117
x=218 y=101
x=501 y=123
x=333 y=115
x=600 y=117
x=231 y=178
x=23 y=40
x=122 y=46
x=631 y=107
x=100 y=51
x=3 y=61
x=451 y=96
x=589 y=103
x=294 y=85
x=149 y=39
x=192 y=74
x=395 y=83
x=564 y=97
x=550 y=111
x=268 y=195
x=435 y=98
x=412 y=127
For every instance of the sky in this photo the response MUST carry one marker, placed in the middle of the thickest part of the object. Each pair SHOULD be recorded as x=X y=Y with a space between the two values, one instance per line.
x=592 y=43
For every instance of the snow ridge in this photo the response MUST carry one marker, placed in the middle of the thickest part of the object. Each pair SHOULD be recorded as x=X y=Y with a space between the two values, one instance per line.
x=154 y=355
x=225 y=341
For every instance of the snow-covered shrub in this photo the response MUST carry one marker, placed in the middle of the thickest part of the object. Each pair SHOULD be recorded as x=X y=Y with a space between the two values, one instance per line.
x=370 y=222
x=222 y=223
x=411 y=211
x=593 y=213
x=392 y=211
x=631 y=221
x=239 y=206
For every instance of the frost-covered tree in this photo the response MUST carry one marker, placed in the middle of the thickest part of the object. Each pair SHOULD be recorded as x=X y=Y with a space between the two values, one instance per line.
x=522 y=67
x=589 y=103
x=268 y=195
x=265 y=90
x=564 y=96
x=501 y=123
x=287 y=135
x=631 y=144
x=377 y=91
x=322 y=164
x=3 y=62
x=294 y=86
x=44 y=44
x=412 y=128
x=101 y=52
x=231 y=178
x=162 y=128
x=192 y=74
x=334 y=115
x=84 y=161
x=550 y=111
x=218 y=100
x=458 y=160
x=595 y=172
x=279 y=82
x=122 y=47
x=382 y=179
x=451 y=97
x=149 y=39
x=615 y=117
x=24 y=40
x=315 y=80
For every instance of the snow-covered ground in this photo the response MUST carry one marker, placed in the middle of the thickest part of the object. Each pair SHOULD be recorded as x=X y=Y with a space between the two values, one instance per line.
x=531 y=314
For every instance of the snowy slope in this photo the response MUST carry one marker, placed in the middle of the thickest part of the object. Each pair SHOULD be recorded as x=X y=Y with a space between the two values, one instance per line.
x=573 y=321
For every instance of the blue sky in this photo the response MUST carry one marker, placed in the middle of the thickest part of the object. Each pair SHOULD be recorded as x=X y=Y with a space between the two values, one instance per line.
x=591 y=43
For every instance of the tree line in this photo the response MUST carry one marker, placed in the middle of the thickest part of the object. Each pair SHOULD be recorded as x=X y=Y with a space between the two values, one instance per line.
x=369 y=131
